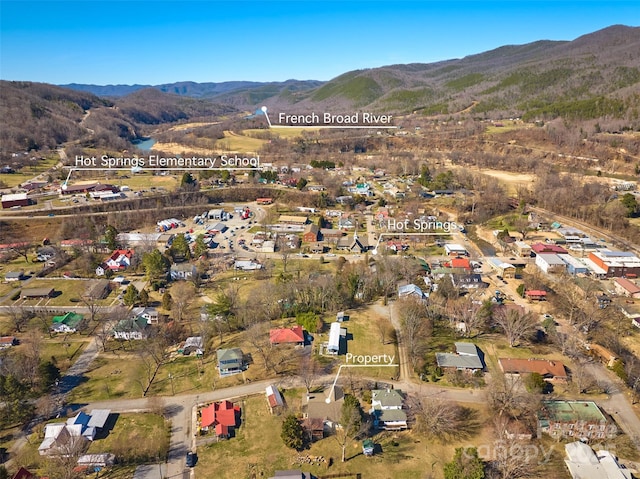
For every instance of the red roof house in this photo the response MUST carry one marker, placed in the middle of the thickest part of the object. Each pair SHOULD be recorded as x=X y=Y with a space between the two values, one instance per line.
x=548 y=369
x=536 y=294
x=222 y=416
x=462 y=263
x=293 y=335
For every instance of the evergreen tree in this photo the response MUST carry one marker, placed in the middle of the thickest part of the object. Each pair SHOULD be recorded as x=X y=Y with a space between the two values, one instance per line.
x=143 y=298
x=180 y=248
x=466 y=464
x=199 y=248
x=167 y=301
x=130 y=295
x=292 y=433
x=155 y=265
x=110 y=236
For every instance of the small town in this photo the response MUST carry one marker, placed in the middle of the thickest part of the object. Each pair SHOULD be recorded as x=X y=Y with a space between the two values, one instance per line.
x=424 y=270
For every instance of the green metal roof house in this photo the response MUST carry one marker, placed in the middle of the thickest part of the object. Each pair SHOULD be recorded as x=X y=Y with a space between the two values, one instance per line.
x=67 y=323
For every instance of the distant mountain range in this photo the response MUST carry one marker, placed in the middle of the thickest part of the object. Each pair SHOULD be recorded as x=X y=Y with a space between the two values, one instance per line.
x=513 y=79
x=595 y=76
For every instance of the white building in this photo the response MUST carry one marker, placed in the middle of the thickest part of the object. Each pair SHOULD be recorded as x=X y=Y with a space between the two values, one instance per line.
x=550 y=263
x=335 y=333
x=584 y=463
x=455 y=249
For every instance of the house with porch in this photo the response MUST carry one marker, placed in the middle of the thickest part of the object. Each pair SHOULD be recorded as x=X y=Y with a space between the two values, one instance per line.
x=387 y=409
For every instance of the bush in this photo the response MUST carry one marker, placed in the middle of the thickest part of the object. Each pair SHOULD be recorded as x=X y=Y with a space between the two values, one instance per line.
x=16 y=295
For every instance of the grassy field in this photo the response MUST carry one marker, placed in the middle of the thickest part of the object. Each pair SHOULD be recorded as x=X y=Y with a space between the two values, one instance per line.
x=507 y=125
x=148 y=432
x=28 y=172
x=362 y=326
x=236 y=142
x=401 y=455
x=286 y=133
x=112 y=375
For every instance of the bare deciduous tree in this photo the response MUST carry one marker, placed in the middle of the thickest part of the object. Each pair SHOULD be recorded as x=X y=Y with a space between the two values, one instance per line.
x=515 y=324
x=416 y=327
x=183 y=293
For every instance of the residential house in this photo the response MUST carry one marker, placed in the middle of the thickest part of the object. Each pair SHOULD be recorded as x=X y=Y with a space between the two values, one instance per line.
x=294 y=335
x=230 y=361
x=536 y=295
x=72 y=436
x=413 y=291
x=363 y=189
x=468 y=357
x=397 y=246
x=183 y=271
x=119 y=260
x=346 y=223
x=624 y=287
x=274 y=398
x=148 y=313
x=11 y=276
x=344 y=200
x=387 y=409
x=462 y=265
x=247 y=265
x=67 y=323
x=311 y=233
x=192 y=344
x=584 y=463
x=522 y=249
x=132 y=328
x=223 y=417
x=549 y=370
x=62 y=439
x=582 y=420
x=322 y=411
x=8 y=341
x=468 y=281
x=603 y=354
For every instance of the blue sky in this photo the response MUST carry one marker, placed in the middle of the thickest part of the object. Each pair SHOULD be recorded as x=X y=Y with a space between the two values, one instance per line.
x=126 y=42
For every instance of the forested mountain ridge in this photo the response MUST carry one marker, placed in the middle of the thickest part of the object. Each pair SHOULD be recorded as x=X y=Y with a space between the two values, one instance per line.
x=38 y=116
x=595 y=75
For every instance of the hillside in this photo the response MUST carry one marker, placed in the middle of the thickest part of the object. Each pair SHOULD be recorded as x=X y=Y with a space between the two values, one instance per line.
x=246 y=92
x=594 y=76
x=39 y=116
